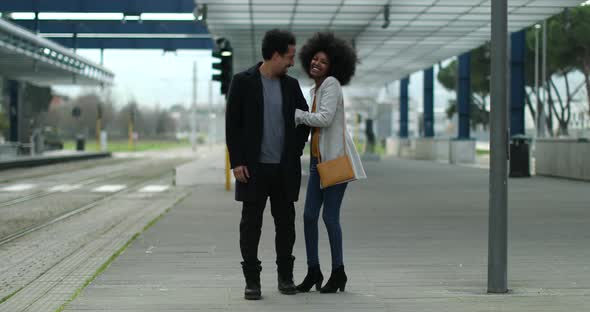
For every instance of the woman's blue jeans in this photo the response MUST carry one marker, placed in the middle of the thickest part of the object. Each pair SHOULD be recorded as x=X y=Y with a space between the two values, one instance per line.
x=331 y=198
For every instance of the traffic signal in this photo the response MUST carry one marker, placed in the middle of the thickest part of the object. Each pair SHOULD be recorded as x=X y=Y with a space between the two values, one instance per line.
x=225 y=65
x=76 y=111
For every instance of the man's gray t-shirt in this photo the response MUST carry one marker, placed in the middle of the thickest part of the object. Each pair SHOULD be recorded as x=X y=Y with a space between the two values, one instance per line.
x=273 y=136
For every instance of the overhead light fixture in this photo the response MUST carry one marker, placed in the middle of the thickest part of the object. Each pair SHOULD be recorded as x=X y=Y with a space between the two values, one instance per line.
x=21 y=16
x=386 y=11
x=80 y=16
x=200 y=12
x=169 y=50
x=132 y=17
x=167 y=17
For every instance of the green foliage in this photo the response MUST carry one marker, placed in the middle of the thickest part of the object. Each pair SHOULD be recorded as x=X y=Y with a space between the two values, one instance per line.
x=480 y=72
x=568 y=50
x=37 y=98
x=478 y=115
x=447 y=76
x=139 y=146
x=480 y=84
x=579 y=30
x=3 y=122
x=451 y=109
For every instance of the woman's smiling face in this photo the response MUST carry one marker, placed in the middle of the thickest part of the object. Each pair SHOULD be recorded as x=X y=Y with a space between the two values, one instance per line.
x=320 y=65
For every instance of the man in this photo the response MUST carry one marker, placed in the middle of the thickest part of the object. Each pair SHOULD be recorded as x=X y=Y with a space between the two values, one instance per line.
x=265 y=149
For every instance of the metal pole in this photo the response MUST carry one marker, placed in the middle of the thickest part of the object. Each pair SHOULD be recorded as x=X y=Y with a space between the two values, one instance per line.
x=357 y=122
x=539 y=106
x=75 y=47
x=14 y=107
x=212 y=122
x=544 y=75
x=517 y=83
x=403 y=114
x=464 y=95
x=428 y=115
x=194 y=107
x=131 y=141
x=498 y=230
x=98 y=127
x=99 y=109
x=227 y=171
x=37 y=23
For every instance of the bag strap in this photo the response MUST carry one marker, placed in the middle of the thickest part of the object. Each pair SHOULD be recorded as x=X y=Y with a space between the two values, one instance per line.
x=315 y=103
x=343 y=128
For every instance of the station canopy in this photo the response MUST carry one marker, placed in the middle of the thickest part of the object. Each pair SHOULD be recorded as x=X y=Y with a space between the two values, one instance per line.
x=28 y=57
x=419 y=33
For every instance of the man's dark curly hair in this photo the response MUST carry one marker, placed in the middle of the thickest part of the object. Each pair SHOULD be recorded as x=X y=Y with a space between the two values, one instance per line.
x=342 y=55
x=276 y=40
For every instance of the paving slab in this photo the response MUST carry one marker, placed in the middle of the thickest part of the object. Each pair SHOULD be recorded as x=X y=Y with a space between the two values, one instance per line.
x=415 y=239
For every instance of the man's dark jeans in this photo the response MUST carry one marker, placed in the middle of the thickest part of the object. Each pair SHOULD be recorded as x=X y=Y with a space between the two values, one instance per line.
x=269 y=184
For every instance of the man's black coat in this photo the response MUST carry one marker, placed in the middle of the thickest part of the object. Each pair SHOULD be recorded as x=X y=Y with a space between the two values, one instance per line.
x=244 y=127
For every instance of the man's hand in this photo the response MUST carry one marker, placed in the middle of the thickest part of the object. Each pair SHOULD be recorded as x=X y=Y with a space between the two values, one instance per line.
x=241 y=173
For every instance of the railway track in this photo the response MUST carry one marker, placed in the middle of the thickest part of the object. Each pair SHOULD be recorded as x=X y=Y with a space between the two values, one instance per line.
x=135 y=177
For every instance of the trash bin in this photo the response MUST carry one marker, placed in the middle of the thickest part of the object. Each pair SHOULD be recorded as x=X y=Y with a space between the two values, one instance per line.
x=520 y=156
x=80 y=142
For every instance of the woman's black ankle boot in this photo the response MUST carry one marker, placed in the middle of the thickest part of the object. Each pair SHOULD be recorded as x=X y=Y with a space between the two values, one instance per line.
x=337 y=281
x=314 y=277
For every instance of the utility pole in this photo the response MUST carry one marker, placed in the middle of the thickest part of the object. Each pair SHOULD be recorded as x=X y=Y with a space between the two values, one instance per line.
x=99 y=108
x=131 y=143
x=544 y=76
x=193 y=137
x=498 y=192
x=212 y=120
x=538 y=120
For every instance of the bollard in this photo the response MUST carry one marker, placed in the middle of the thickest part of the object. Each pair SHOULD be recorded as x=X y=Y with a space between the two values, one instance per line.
x=227 y=171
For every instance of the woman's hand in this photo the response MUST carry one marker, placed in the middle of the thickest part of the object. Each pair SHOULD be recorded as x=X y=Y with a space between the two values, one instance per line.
x=298 y=116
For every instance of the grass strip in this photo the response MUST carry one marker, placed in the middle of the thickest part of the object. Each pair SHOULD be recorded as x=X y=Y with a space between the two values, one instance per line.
x=112 y=258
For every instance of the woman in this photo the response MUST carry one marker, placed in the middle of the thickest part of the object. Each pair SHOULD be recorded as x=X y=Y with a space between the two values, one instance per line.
x=330 y=62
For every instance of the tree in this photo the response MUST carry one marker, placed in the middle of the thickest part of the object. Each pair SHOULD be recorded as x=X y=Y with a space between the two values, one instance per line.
x=568 y=52
x=148 y=122
x=480 y=85
x=3 y=123
x=37 y=98
x=164 y=123
x=577 y=26
x=35 y=101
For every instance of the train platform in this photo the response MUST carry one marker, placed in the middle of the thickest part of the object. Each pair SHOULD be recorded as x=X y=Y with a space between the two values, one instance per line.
x=49 y=158
x=415 y=239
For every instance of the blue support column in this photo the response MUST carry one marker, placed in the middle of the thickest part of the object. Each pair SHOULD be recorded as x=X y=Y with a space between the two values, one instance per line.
x=14 y=109
x=517 y=83
x=403 y=108
x=429 y=103
x=464 y=95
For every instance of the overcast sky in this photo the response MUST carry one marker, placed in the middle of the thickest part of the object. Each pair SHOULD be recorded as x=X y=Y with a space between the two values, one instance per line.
x=152 y=77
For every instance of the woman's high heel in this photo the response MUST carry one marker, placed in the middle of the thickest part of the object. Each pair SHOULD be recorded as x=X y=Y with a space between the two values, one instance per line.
x=314 y=277
x=336 y=282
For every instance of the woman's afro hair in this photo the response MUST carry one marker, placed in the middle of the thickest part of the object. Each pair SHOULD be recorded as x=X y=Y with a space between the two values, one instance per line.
x=342 y=55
